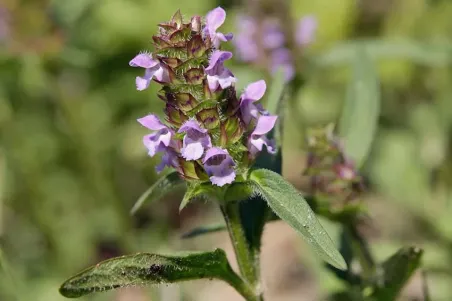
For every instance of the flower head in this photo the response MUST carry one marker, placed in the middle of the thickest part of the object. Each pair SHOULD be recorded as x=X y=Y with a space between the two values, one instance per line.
x=210 y=132
x=265 y=124
x=196 y=140
x=332 y=173
x=217 y=74
x=214 y=19
x=219 y=165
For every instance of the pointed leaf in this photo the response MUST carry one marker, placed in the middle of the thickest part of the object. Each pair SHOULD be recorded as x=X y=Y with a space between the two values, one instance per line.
x=396 y=271
x=291 y=207
x=359 y=121
x=177 y=19
x=146 y=269
x=166 y=184
x=196 y=190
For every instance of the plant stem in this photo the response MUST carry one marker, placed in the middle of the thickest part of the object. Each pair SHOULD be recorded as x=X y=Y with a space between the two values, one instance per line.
x=242 y=288
x=361 y=249
x=247 y=259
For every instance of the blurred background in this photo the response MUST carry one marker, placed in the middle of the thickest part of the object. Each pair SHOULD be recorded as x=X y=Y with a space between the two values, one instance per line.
x=72 y=162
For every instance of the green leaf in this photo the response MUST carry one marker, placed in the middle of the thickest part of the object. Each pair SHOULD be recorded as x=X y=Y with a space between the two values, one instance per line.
x=196 y=190
x=204 y=230
x=396 y=271
x=238 y=191
x=405 y=49
x=291 y=207
x=166 y=184
x=359 y=120
x=254 y=211
x=147 y=269
x=276 y=91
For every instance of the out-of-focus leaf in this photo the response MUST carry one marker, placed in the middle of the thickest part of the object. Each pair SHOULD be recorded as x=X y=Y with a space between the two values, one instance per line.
x=275 y=92
x=202 y=230
x=359 y=120
x=418 y=52
x=147 y=269
x=166 y=184
x=291 y=207
x=396 y=271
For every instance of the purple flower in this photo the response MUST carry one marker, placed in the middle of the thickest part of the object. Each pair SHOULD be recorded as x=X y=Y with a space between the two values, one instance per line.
x=219 y=166
x=244 y=42
x=169 y=159
x=305 y=32
x=160 y=139
x=253 y=92
x=282 y=58
x=153 y=70
x=217 y=74
x=265 y=124
x=273 y=37
x=214 y=19
x=196 y=140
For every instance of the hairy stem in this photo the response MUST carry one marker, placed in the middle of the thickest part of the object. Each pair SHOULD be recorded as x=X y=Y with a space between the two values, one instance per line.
x=247 y=259
x=242 y=288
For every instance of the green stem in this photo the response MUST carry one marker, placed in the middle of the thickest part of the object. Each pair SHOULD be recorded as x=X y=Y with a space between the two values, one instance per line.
x=242 y=288
x=361 y=250
x=247 y=259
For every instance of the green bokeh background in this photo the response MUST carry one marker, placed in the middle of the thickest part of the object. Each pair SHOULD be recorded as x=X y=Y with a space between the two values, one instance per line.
x=72 y=163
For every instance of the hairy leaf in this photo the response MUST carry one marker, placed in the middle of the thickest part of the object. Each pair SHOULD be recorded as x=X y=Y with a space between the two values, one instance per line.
x=291 y=207
x=359 y=120
x=166 y=184
x=196 y=190
x=146 y=269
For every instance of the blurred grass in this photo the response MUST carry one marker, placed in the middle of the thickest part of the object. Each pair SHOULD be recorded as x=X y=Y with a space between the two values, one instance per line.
x=71 y=159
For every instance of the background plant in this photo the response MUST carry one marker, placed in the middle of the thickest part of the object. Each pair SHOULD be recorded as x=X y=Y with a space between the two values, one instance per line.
x=64 y=79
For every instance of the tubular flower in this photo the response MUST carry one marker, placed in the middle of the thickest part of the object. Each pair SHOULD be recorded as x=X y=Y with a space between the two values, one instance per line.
x=208 y=133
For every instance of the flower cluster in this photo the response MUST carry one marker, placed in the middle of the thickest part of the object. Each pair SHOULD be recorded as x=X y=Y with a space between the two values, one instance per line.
x=331 y=173
x=209 y=133
x=265 y=42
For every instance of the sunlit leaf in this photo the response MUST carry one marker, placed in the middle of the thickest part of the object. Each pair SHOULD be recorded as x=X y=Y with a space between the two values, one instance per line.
x=291 y=207
x=166 y=184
